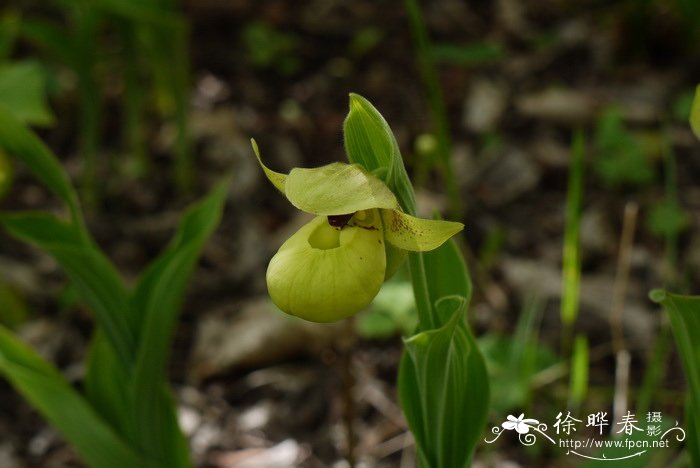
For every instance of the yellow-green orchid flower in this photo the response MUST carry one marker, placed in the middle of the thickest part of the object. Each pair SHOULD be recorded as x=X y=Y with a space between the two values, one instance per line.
x=333 y=266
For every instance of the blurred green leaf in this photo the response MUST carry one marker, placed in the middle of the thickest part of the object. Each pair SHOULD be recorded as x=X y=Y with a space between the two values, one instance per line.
x=45 y=388
x=392 y=312
x=156 y=300
x=666 y=218
x=10 y=21
x=103 y=369
x=578 y=386
x=91 y=272
x=53 y=38
x=622 y=158
x=23 y=92
x=21 y=143
x=6 y=174
x=13 y=308
x=443 y=386
x=684 y=314
x=571 y=256
x=695 y=113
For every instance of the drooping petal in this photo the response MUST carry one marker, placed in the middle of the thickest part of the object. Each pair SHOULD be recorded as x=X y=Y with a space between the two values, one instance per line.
x=324 y=274
x=509 y=425
x=417 y=234
x=337 y=189
x=277 y=179
x=522 y=428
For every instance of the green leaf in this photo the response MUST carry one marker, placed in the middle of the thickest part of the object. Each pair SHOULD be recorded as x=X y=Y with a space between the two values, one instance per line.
x=55 y=399
x=21 y=143
x=695 y=113
x=156 y=300
x=571 y=256
x=684 y=313
x=443 y=385
x=447 y=272
x=103 y=370
x=417 y=234
x=89 y=270
x=23 y=92
x=370 y=143
x=52 y=37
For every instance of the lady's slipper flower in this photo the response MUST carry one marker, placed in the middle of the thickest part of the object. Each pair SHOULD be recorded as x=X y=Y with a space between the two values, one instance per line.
x=333 y=266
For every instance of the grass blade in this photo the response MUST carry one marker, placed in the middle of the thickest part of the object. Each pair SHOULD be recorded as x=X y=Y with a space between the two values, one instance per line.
x=157 y=298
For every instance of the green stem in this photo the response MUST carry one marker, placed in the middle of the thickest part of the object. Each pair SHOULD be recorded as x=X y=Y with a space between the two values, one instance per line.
x=420 y=290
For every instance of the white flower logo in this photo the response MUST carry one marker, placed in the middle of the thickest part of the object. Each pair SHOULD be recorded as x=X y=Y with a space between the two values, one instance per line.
x=522 y=426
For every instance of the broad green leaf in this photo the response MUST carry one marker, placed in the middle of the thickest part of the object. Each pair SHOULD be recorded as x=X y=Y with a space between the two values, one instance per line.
x=21 y=143
x=684 y=313
x=337 y=189
x=417 y=234
x=443 y=387
x=103 y=371
x=90 y=271
x=370 y=143
x=23 y=92
x=42 y=385
x=695 y=113
x=447 y=272
x=278 y=179
x=156 y=299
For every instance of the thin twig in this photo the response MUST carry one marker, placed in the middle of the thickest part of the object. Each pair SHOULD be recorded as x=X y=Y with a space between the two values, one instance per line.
x=622 y=356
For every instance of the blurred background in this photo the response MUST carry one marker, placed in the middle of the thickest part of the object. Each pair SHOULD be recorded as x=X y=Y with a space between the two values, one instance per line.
x=149 y=103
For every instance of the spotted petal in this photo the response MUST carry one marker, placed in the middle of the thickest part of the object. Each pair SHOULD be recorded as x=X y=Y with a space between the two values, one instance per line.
x=417 y=234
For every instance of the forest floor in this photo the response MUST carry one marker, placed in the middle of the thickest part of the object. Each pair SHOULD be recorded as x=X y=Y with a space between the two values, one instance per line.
x=256 y=388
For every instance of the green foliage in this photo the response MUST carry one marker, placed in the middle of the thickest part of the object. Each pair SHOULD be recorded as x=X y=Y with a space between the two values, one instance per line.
x=514 y=360
x=114 y=425
x=695 y=113
x=578 y=386
x=6 y=174
x=270 y=48
x=22 y=89
x=667 y=218
x=684 y=314
x=150 y=39
x=443 y=384
x=571 y=263
x=392 y=312
x=621 y=157
x=13 y=308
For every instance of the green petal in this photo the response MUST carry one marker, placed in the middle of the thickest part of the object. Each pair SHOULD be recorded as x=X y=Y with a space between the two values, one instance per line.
x=695 y=113
x=417 y=234
x=337 y=189
x=324 y=274
x=276 y=178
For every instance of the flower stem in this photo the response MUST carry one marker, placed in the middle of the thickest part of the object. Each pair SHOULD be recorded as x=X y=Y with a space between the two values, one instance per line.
x=424 y=304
